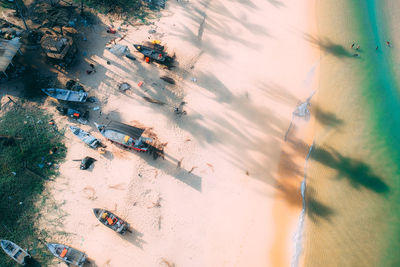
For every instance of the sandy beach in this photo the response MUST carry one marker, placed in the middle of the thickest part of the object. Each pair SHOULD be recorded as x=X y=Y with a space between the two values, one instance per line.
x=228 y=191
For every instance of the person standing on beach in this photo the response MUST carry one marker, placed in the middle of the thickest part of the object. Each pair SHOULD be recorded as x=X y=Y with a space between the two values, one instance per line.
x=388 y=43
x=358 y=47
x=353 y=45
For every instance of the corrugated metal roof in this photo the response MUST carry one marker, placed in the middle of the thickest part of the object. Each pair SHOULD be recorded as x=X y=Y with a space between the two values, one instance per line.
x=132 y=131
x=8 y=49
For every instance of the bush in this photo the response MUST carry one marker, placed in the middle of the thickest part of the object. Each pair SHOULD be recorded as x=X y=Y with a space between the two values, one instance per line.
x=25 y=155
x=116 y=6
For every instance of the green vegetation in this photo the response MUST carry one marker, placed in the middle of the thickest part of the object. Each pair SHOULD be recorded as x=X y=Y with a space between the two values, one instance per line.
x=127 y=9
x=114 y=6
x=29 y=156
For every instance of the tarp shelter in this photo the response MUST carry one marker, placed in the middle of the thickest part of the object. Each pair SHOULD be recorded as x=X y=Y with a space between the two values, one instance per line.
x=8 y=49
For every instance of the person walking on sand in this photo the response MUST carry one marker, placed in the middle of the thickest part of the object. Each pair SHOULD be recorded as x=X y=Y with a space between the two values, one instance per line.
x=92 y=66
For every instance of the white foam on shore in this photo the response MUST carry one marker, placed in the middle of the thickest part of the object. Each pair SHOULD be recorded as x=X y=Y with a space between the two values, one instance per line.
x=298 y=236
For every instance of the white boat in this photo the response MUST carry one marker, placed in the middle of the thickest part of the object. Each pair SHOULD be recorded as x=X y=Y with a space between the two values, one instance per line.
x=89 y=139
x=66 y=95
x=67 y=254
x=14 y=251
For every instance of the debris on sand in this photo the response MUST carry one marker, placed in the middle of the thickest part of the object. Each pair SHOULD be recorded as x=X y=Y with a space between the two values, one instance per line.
x=130 y=57
x=166 y=263
x=86 y=163
x=74 y=86
x=124 y=86
x=119 y=50
x=154 y=101
x=167 y=79
x=192 y=169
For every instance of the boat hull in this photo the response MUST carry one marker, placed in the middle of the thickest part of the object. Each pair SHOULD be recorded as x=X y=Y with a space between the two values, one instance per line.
x=67 y=254
x=116 y=224
x=124 y=138
x=14 y=251
x=154 y=54
x=85 y=137
x=66 y=95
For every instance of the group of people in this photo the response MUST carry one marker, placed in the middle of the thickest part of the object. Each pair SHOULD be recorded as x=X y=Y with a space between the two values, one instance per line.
x=353 y=46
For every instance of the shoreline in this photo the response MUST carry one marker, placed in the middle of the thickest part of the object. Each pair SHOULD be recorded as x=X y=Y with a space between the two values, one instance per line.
x=288 y=207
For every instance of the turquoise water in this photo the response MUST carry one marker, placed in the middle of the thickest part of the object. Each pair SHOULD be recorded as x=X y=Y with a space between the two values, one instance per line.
x=385 y=101
x=353 y=193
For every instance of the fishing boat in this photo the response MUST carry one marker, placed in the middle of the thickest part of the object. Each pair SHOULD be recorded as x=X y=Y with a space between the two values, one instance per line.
x=15 y=252
x=66 y=95
x=67 y=254
x=87 y=138
x=79 y=116
x=111 y=220
x=154 y=54
x=125 y=135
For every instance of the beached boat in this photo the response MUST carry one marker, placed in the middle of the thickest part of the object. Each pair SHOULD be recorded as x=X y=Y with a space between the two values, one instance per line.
x=111 y=220
x=79 y=116
x=67 y=254
x=125 y=135
x=154 y=54
x=15 y=252
x=66 y=95
x=88 y=139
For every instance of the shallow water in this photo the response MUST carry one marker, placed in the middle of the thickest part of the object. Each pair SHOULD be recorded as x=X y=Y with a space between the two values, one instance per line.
x=353 y=178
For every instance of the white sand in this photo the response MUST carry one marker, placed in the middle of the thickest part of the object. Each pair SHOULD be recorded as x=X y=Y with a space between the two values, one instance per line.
x=252 y=66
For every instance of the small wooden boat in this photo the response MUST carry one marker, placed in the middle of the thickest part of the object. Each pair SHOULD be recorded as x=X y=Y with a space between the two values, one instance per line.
x=111 y=220
x=79 y=116
x=87 y=138
x=15 y=252
x=125 y=135
x=66 y=95
x=67 y=254
x=154 y=54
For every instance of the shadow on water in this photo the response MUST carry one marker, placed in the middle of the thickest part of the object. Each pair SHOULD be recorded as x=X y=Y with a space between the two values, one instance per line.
x=358 y=173
x=328 y=46
x=316 y=210
x=326 y=118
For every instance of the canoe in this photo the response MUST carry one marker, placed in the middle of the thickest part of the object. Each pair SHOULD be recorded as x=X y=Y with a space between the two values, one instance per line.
x=125 y=135
x=66 y=95
x=67 y=254
x=111 y=220
x=88 y=139
x=15 y=252
x=154 y=54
